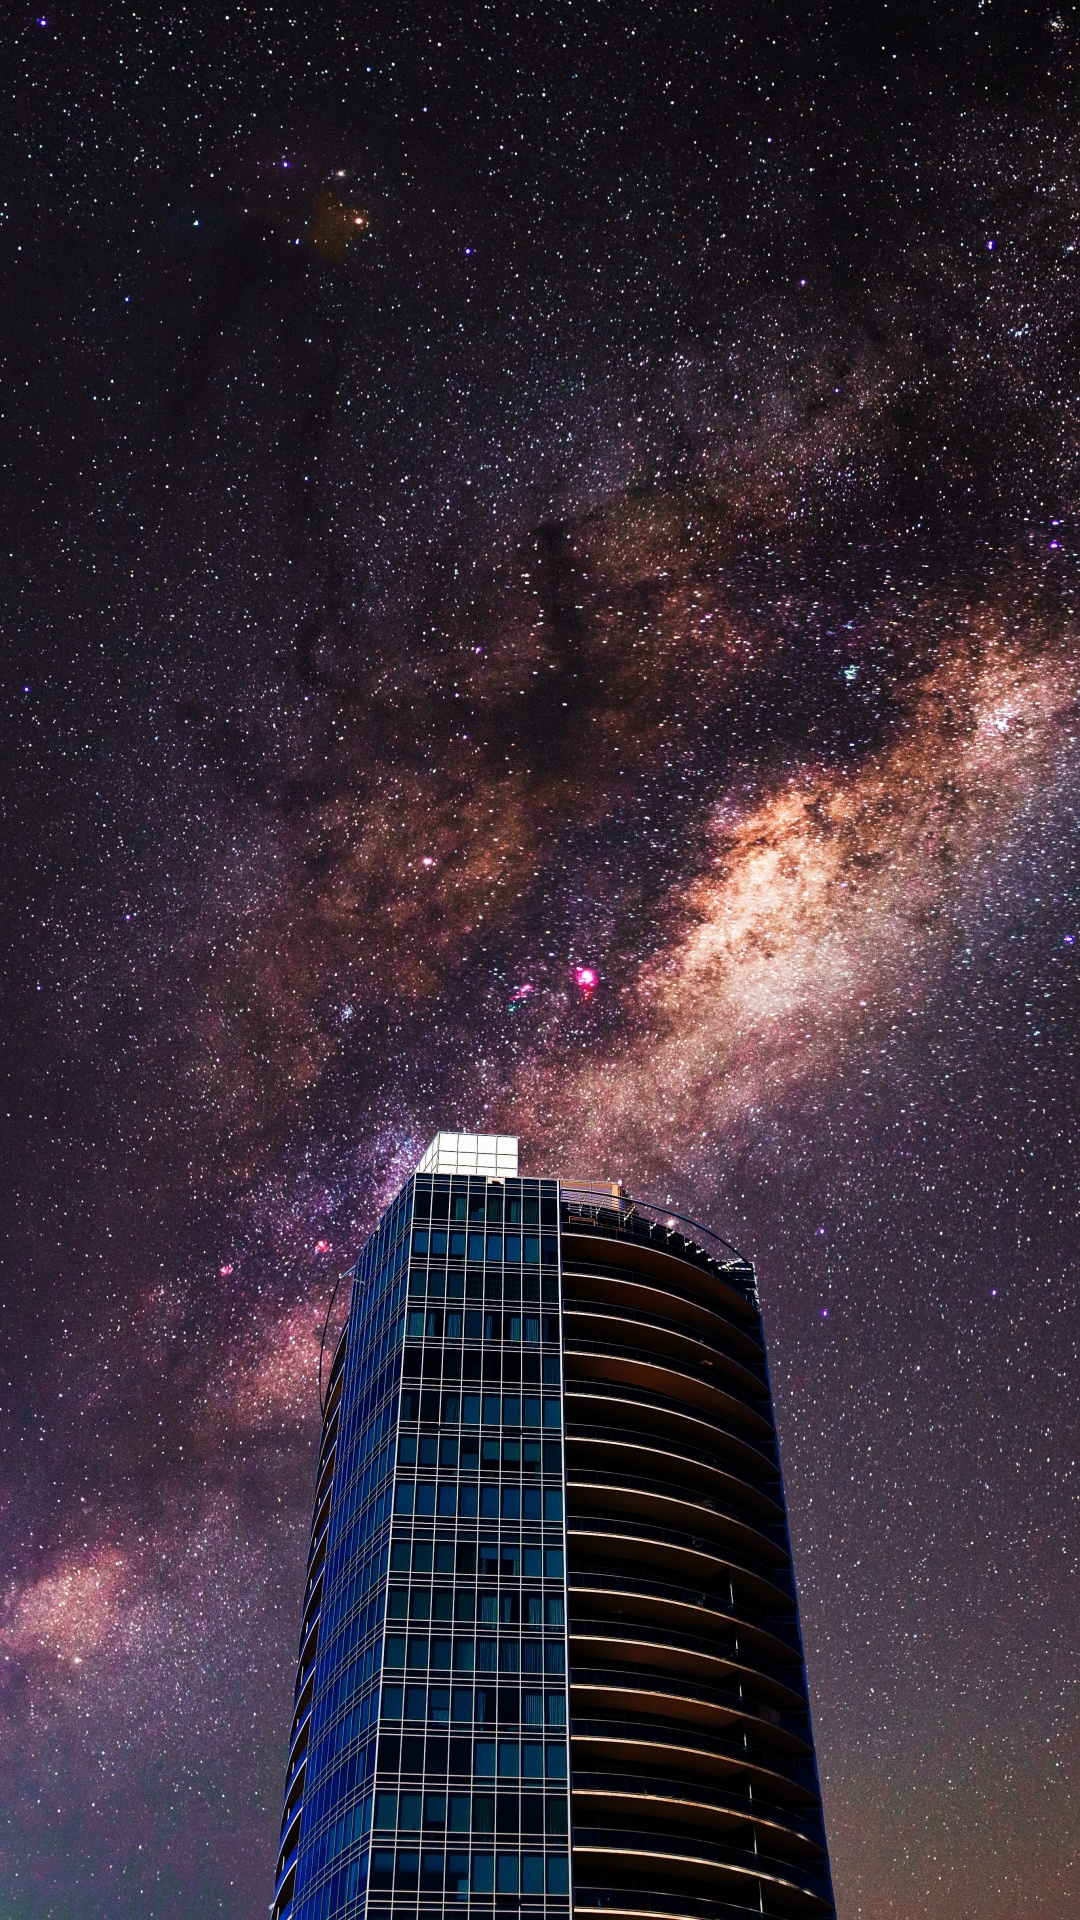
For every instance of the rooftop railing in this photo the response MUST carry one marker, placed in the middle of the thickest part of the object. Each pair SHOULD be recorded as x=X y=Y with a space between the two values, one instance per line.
x=605 y=1208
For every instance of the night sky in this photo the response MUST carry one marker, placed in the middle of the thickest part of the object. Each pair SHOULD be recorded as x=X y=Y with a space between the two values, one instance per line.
x=540 y=595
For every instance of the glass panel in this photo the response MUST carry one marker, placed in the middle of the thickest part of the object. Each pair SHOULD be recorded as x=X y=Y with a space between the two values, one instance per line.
x=532 y=1873
x=558 y=1873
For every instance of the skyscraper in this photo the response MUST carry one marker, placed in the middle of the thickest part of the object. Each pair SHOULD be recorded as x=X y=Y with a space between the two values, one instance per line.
x=550 y=1651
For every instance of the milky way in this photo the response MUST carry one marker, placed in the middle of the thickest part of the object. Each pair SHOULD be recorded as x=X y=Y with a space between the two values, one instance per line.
x=541 y=596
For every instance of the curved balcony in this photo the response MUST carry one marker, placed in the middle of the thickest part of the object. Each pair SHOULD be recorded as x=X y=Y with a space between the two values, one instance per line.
x=629 y=1903
x=694 y=1790
x=587 y=1320
x=600 y=1592
x=614 y=1798
x=662 y=1503
x=284 y=1892
x=660 y=1645
x=587 y=1280
x=683 y=1697
x=683 y=1382
x=693 y=1559
x=634 y=1235
x=656 y=1457
x=593 y=1402
x=679 y=1749
x=634 y=1858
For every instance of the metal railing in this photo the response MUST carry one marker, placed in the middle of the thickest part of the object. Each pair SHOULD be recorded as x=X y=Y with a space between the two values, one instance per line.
x=605 y=1207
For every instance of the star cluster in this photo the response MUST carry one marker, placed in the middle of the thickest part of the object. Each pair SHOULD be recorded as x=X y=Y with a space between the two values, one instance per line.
x=541 y=596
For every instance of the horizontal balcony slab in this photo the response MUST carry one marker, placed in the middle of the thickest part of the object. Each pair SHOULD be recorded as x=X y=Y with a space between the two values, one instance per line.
x=641 y=1740
x=594 y=1401
x=607 y=1799
x=698 y=1861
x=665 y=1505
x=583 y=1280
x=602 y=1360
x=692 y=1553
x=660 y=1265
x=633 y=1327
x=598 y=1593
x=599 y=1690
x=680 y=1653
x=657 y=1457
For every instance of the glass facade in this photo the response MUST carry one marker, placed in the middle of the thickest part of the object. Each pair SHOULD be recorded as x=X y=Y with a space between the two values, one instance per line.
x=429 y=1761
x=548 y=1484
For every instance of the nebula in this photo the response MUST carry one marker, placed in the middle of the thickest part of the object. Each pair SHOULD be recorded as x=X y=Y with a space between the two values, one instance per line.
x=830 y=910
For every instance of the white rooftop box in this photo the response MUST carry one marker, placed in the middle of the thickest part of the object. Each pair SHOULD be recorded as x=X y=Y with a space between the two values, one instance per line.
x=492 y=1154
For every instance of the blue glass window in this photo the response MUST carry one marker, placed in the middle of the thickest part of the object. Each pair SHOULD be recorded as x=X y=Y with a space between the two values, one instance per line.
x=431 y=1872
x=409 y=1815
x=457 y=1875
x=506 y=1873
x=532 y=1873
x=382 y=1871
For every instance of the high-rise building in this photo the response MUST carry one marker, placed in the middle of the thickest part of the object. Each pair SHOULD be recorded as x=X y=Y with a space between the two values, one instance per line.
x=550 y=1653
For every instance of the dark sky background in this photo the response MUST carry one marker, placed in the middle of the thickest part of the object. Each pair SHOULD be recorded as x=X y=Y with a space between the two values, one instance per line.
x=490 y=492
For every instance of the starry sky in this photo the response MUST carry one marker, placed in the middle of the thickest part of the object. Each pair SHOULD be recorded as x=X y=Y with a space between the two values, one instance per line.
x=540 y=595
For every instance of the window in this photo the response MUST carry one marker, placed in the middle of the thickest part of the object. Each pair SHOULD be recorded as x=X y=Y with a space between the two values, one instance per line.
x=506 y=1873
x=558 y=1873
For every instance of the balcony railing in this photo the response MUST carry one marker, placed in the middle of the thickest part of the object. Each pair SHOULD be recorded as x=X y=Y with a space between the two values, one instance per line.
x=588 y=1208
